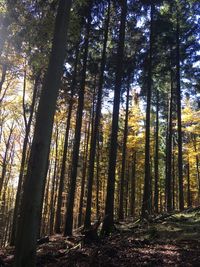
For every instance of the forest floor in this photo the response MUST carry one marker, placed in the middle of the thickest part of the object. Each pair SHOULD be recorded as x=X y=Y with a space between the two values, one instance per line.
x=168 y=240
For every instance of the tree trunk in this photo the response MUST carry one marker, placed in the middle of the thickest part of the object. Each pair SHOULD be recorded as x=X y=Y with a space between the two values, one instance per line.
x=121 y=198
x=93 y=142
x=5 y=160
x=146 y=204
x=25 y=252
x=132 y=200
x=169 y=150
x=173 y=178
x=3 y=76
x=45 y=208
x=156 y=161
x=87 y=137
x=23 y=162
x=64 y=158
x=52 y=208
x=75 y=154
x=178 y=98
x=197 y=164
x=97 y=179
x=189 y=203
x=108 y=222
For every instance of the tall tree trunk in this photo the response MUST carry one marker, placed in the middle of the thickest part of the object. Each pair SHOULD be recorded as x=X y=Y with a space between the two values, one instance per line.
x=133 y=183
x=45 y=208
x=93 y=142
x=75 y=153
x=126 y=182
x=108 y=222
x=23 y=162
x=146 y=204
x=121 y=198
x=173 y=178
x=97 y=179
x=45 y=189
x=25 y=252
x=156 y=161
x=64 y=158
x=169 y=150
x=87 y=136
x=178 y=98
x=189 y=202
x=3 y=76
x=197 y=163
x=52 y=208
x=5 y=159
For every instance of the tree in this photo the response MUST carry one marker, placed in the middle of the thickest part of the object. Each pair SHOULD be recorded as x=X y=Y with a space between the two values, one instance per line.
x=32 y=197
x=63 y=168
x=75 y=153
x=96 y=124
x=178 y=98
x=121 y=200
x=156 y=160
x=108 y=222
x=146 y=205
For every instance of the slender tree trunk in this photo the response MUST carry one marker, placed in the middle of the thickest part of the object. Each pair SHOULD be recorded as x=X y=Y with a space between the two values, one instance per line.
x=43 y=203
x=121 y=198
x=108 y=223
x=126 y=191
x=93 y=142
x=23 y=162
x=52 y=208
x=197 y=164
x=146 y=204
x=169 y=151
x=97 y=179
x=25 y=252
x=189 y=203
x=173 y=179
x=156 y=161
x=75 y=153
x=44 y=213
x=87 y=137
x=3 y=76
x=133 y=184
x=64 y=158
x=10 y=161
x=178 y=98
x=5 y=158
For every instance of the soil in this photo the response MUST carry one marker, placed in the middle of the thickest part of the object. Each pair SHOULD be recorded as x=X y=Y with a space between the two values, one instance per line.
x=168 y=240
